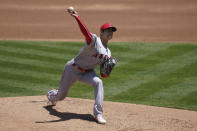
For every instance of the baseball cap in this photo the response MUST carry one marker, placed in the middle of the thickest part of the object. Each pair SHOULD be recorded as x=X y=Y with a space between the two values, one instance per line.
x=108 y=25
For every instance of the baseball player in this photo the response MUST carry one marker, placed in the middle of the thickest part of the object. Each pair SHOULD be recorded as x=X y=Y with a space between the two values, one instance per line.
x=81 y=68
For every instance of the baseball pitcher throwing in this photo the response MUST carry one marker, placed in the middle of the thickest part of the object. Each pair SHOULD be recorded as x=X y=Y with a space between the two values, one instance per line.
x=81 y=68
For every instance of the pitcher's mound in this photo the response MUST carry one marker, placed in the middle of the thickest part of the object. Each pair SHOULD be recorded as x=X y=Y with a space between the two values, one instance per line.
x=31 y=113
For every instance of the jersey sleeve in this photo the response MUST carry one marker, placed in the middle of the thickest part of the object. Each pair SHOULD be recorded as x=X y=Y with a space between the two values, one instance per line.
x=93 y=41
x=84 y=30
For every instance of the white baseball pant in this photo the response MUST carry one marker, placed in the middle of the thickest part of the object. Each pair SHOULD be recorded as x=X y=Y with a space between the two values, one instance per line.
x=71 y=74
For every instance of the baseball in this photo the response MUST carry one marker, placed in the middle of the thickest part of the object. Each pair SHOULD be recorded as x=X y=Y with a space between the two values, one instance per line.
x=70 y=9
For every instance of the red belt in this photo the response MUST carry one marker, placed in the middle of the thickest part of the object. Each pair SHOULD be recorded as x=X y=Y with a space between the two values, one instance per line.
x=81 y=69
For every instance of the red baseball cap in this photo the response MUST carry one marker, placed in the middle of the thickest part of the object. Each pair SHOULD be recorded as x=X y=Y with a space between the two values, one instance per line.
x=106 y=26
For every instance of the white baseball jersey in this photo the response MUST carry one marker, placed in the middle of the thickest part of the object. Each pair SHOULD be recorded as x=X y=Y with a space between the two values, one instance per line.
x=92 y=54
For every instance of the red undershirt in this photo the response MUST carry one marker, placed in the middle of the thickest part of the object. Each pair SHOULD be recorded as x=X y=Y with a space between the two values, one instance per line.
x=84 y=30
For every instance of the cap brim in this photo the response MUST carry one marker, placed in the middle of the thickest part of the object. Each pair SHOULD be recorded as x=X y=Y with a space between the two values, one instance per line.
x=113 y=29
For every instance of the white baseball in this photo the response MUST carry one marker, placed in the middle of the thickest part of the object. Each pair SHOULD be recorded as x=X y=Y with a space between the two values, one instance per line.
x=70 y=9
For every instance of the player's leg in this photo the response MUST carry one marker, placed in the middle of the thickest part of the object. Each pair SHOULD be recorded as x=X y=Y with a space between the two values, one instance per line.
x=67 y=80
x=92 y=79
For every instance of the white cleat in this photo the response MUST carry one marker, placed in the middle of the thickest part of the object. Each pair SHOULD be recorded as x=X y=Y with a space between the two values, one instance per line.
x=51 y=97
x=99 y=118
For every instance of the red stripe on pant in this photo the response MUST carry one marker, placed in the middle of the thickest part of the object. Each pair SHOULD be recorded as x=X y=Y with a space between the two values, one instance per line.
x=81 y=69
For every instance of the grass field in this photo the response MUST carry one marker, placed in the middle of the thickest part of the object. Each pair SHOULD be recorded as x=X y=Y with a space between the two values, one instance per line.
x=159 y=74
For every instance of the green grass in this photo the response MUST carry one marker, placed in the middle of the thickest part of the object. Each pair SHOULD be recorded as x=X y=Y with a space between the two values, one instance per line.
x=159 y=74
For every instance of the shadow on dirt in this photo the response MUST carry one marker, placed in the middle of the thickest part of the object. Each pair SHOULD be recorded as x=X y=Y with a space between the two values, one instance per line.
x=64 y=116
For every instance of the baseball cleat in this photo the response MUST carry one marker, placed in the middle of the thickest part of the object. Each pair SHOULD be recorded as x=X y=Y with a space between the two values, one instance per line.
x=51 y=95
x=99 y=118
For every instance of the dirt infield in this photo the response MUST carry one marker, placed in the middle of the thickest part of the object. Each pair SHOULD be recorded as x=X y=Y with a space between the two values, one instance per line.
x=136 y=20
x=72 y=114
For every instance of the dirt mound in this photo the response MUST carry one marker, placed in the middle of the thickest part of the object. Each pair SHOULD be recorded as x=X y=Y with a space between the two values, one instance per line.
x=31 y=113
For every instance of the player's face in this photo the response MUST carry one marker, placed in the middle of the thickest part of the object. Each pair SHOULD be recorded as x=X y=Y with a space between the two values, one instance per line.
x=108 y=34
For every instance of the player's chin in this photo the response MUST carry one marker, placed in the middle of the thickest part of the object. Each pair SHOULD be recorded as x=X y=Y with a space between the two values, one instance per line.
x=109 y=37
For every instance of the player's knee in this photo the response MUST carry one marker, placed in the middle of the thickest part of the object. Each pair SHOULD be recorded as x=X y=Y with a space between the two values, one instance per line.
x=97 y=82
x=61 y=96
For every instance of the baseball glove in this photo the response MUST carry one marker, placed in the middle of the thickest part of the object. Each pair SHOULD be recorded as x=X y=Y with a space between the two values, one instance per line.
x=107 y=66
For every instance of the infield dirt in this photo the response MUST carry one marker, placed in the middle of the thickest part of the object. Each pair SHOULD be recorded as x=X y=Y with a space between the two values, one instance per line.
x=73 y=114
x=136 y=20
